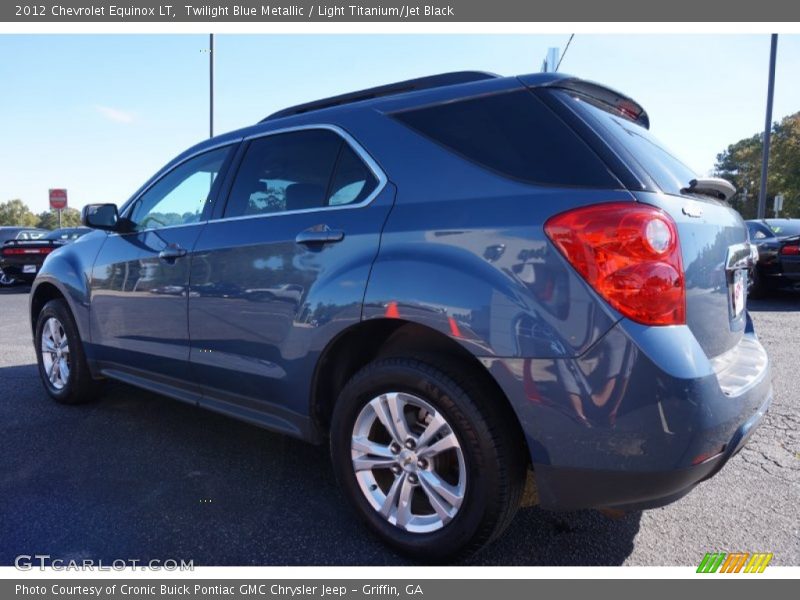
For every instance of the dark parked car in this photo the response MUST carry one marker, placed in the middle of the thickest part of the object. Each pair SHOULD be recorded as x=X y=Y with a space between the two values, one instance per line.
x=469 y=276
x=22 y=258
x=16 y=233
x=778 y=243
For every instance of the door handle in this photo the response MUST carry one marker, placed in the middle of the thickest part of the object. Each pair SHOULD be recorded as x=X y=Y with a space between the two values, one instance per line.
x=319 y=236
x=172 y=252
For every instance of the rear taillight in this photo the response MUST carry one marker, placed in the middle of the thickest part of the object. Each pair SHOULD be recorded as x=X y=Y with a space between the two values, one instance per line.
x=629 y=253
x=13 y=251
x=790 y=250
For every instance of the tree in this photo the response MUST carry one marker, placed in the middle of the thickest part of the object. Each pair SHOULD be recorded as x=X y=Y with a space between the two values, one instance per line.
x=740 y=164
x=16 y=212
x=70 y=217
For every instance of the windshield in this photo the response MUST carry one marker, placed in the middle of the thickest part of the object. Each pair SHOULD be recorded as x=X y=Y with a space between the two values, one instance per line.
x=784 y=227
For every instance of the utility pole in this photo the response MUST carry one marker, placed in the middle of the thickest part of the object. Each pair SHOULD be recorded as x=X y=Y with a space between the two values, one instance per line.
x=762 y=196
x=211 y=85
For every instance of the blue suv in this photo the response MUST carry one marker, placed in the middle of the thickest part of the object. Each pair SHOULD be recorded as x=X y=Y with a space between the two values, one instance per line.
x=454 y=281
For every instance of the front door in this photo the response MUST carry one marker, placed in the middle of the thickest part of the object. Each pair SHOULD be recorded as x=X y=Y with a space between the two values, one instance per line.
x=140 y=278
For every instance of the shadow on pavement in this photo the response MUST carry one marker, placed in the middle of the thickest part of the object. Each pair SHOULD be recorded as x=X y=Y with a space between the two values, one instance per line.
x=136 y=475
x=778 y=301
x=14 y=289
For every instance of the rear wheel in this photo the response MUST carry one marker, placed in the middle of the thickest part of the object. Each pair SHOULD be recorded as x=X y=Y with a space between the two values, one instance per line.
x=428 y=463
x=6 y=280
x=62 y=362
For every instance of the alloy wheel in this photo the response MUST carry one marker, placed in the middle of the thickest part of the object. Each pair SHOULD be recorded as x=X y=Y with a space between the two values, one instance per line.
x=408 y=462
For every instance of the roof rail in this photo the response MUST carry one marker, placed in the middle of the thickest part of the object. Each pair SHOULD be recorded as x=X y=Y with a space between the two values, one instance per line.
x=411 y=85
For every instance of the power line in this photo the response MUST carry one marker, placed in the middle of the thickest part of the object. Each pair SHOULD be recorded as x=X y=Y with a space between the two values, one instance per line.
x=564 y=53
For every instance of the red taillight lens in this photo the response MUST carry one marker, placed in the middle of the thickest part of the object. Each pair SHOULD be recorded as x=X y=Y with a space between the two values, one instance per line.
x=12 y=251
x=629 y=253
x=790 y=250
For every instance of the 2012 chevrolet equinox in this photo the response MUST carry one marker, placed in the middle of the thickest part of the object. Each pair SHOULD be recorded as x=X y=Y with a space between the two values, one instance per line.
x=452 y=279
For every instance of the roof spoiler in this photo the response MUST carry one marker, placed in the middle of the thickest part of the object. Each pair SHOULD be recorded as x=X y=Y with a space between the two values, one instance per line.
x=620 y=104
x=410 y=85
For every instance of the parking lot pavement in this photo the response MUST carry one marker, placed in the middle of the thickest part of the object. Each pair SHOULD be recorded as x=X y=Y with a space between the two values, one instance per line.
x=135 y=475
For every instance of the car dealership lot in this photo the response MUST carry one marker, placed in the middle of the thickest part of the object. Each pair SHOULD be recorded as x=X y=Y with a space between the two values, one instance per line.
x=138 y=476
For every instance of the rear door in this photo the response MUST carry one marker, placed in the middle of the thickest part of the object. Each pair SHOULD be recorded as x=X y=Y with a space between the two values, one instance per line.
x=713 y=236
x=283 y=269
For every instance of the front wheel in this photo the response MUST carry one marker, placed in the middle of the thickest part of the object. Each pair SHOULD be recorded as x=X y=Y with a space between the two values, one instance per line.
x=429 y=463
x=62 y=362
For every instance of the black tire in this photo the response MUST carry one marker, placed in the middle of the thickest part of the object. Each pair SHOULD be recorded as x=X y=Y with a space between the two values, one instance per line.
x=758 y=288
x=493 y=449
x=80 y=387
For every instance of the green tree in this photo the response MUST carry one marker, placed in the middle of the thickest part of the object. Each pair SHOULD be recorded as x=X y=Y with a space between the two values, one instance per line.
x=70 y=217
x=16 y=212
x=740 y=164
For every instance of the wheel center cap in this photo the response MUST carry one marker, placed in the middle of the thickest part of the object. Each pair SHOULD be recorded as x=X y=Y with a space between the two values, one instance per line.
x=408 y=460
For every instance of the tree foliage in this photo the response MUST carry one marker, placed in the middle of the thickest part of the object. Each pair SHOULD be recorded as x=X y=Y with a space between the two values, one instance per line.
x=70 y=217
x=16 y=212
x=740 y=164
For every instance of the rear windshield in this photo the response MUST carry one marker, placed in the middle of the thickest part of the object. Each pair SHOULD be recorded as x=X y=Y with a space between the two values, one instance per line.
x=513 y=134
x=634 y=141
x=783 y=228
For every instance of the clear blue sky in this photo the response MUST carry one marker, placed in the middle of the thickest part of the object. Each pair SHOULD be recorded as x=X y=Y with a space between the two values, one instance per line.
x=98 y=114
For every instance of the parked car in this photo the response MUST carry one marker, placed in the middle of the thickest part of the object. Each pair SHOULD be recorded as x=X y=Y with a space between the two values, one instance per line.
x=21 y=258
x=11 y=233
x=488 y=274
x=778 y=243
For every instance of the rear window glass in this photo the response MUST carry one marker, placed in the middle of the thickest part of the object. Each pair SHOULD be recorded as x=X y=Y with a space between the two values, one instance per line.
x=666 y=170
x=783 y=228
x=513 y=134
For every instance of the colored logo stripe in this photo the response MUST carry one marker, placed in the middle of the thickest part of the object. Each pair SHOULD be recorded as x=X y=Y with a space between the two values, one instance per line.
x=734 y=562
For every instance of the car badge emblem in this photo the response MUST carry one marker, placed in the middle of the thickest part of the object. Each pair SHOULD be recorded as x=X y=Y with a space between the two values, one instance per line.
x=693 y=210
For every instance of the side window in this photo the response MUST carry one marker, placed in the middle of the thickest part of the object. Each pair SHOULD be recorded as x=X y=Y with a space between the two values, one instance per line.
x=513 y=134
x=178 y=197
x=283 y=172
x=352 y=181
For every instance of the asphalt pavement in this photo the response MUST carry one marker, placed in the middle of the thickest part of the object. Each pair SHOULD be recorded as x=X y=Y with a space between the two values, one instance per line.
x=139 y=476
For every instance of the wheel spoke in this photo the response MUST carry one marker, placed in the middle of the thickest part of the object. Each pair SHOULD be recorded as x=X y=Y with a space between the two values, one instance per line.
x=53 y=330
x=48 y=345
x=368 y=463
x=436 y=424
x=404 y=503
x=63 y=370
x=392 y=496
x=367 y=446
x=432 y=484
x=53 y=374
x=446 y=443
x=379 y=405
x=396 y=406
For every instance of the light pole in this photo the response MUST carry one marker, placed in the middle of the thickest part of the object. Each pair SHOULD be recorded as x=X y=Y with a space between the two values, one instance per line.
x=762 y=195
x=211 y=85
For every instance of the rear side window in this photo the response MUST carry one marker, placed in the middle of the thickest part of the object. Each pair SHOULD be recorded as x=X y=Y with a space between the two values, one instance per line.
x=299 y=170
x=513 y=134
x=668 y=172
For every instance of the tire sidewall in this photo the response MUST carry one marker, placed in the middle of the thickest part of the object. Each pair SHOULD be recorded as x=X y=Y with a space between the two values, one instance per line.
x=56 y=309
x=444 y=395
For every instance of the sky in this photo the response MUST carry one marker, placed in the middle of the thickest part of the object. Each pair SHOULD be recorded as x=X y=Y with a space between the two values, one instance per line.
x=98 y=114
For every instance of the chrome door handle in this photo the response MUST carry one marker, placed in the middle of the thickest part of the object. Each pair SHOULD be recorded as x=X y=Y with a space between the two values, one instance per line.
x=172 y=252
x=319 y=236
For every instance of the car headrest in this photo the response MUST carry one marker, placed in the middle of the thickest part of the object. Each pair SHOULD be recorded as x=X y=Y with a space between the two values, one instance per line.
x=304 y=195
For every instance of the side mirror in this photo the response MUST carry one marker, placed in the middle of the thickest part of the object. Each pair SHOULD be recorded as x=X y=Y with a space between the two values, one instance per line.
x=101 y=216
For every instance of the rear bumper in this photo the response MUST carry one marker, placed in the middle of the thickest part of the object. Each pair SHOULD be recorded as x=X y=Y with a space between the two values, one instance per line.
x=566 y=488
x=639 y=419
